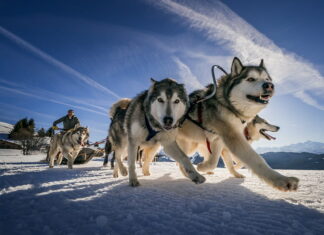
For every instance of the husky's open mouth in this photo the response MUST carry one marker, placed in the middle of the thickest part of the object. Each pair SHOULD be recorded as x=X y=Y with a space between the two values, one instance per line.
x=167 y=127
x=267 y=136
x=263 y=99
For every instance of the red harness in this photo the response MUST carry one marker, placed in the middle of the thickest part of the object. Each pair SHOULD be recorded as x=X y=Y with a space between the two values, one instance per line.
x=199 y=112
x=247 y=134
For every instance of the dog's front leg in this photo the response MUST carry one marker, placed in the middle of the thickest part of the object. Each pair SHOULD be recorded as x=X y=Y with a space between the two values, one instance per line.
x=227 y=158
x=212 y=160
x=148 y=155
x=238 y=145
x=132 y=153
x=59 y=158
x=51 y=157
x=174 y=151
x=119 y=156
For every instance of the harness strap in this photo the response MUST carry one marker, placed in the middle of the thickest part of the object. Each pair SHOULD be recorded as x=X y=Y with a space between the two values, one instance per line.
x=199 y=110
x=151 y=131
x=208 y=146
x=247 y=134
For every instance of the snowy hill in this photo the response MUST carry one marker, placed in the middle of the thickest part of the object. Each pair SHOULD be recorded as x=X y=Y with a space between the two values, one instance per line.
x=88 y=200
x=308 y=146
x=5 y=128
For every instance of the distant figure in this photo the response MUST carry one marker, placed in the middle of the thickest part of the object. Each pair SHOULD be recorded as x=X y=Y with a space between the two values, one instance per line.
x=69 y=121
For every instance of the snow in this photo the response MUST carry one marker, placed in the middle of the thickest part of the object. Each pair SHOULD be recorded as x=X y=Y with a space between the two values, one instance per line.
x=5 y=128
x=88 y=200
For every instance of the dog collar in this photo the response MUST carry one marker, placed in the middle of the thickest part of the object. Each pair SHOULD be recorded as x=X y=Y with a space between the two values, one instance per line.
x=151 y=131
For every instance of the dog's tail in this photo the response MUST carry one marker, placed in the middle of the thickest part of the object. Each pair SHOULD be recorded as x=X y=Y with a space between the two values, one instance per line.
x=120 y=104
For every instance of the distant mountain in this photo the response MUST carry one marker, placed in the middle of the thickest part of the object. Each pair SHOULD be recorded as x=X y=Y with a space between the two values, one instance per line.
x=308 y=146
x=5 y=128
x=296 y=161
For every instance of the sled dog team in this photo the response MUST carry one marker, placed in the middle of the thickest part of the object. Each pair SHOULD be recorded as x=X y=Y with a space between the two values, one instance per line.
x=219 y=120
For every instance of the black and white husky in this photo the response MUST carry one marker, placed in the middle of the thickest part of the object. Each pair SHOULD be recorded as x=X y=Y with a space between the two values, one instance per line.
x=151 y=120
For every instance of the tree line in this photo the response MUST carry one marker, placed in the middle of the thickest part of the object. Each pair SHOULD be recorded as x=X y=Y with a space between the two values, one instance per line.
x=29 y=138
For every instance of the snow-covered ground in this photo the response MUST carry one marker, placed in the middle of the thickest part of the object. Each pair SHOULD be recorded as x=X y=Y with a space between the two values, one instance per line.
x=88 y=200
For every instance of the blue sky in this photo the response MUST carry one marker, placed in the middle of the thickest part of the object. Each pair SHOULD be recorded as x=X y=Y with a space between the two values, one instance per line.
x=86 y=54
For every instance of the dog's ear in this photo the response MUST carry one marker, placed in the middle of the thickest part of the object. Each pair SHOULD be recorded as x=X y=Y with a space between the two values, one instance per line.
x=237 y=67
x=262 y=64
x=153 y=81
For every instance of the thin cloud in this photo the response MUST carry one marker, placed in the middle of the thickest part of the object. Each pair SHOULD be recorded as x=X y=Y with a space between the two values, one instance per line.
x=42 y=92
x=186 y=75
x=86 y=79
x=26 y=110
x=16 y=91
x=222 y=26
x=308 y=99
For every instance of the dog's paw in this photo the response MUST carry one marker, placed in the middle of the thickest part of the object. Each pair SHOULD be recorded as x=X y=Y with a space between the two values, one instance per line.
x=51 y=167
x=286 y=183
x=204 y=167
x=146 y=173
x=115 y=174
x=134 y=182
x=198 y=179
x=105 y=165
x=123 y=171
x=238 y=175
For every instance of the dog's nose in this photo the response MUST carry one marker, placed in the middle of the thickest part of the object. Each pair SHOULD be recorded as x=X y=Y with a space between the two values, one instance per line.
x=168 y=121
x=268 y=86
x=278 y=128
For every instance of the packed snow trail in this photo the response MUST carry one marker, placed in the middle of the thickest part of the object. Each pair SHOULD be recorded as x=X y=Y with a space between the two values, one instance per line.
x=88 y=200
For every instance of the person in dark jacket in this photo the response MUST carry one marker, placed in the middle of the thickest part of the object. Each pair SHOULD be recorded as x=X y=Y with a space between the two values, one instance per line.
x=69 y=121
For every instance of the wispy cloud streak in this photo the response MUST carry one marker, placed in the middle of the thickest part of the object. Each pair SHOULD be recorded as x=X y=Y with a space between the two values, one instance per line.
x=46 y=93
x=222 y=26
x=26 y=110
x=51 y=60
x=20 y=92
x=186 y=75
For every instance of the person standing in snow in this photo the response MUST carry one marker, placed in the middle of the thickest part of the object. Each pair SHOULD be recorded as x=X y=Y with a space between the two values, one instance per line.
x=69 y=121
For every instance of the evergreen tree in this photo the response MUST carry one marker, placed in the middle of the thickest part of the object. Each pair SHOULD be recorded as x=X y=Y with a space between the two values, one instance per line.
x=49 y=132
x=24 y=132
x=41 y=132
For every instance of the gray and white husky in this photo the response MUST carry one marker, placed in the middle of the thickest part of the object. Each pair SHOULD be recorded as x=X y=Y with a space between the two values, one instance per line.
x=152 y=119
x=221 y=120
x=254 y=130
x=67 y=145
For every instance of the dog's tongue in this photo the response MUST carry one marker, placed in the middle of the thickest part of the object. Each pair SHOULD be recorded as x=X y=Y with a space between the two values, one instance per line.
x=269 y=136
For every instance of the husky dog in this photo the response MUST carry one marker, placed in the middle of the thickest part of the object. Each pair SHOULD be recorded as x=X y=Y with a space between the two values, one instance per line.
x=255 y=130
x=117 y=137
x=219 y=121
x=68 y=145
x=152 y=119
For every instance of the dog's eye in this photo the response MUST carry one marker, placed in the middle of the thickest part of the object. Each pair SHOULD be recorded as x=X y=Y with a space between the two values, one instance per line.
x=160 y=100
x=251 y=79
x=177 y=101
